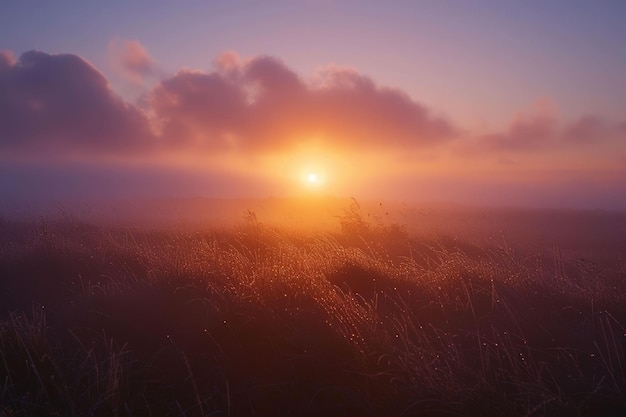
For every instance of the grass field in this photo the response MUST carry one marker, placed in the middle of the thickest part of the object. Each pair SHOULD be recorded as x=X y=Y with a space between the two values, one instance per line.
x=366 y=318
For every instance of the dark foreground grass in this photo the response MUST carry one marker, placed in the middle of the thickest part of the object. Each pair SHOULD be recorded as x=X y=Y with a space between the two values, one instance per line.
x=259 y=321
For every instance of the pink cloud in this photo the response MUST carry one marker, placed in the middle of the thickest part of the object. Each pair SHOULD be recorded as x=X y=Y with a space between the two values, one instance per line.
x=261 y=104
x=541 y=128
x=523 y=135
x=197 y=108
x=588 y=129
x=530 y=129
x=228 y=62
x=131 y=60
x=7 y=59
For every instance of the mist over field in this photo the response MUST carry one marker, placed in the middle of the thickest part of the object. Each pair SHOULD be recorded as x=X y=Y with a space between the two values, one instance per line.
x=310 y=306
x=323 y=214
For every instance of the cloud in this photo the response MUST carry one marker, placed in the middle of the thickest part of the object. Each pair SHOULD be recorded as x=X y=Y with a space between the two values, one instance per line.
x=540 y=129
x=261 y=105
x=7 y=59
x=272 y=76
x=131 y=60
x=377 y=116
x=531 y=129
x=60 y=103
x=524 y=135
x=588 y=130
x=196 y=108
x=228 y=62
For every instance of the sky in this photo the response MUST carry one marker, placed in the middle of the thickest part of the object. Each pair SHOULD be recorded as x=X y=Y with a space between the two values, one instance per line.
x=474 y=102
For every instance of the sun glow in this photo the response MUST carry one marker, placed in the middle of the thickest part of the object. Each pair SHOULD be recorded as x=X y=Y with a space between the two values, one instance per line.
x=313 y=178
x=314 y=169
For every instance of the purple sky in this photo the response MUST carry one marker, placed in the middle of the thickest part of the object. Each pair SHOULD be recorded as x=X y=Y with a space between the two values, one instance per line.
x=482 y=102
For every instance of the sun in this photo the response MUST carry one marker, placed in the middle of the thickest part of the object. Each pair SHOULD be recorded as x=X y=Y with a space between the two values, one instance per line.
x=313 y=178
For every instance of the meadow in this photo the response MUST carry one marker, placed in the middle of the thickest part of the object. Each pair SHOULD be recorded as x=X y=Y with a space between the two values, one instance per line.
x=490 y=313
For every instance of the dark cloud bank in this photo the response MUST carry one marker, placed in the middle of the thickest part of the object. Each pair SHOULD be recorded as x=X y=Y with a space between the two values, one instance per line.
x=61 y=103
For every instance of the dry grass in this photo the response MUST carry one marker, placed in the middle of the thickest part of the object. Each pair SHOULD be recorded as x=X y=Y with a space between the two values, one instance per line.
x=258 y=320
